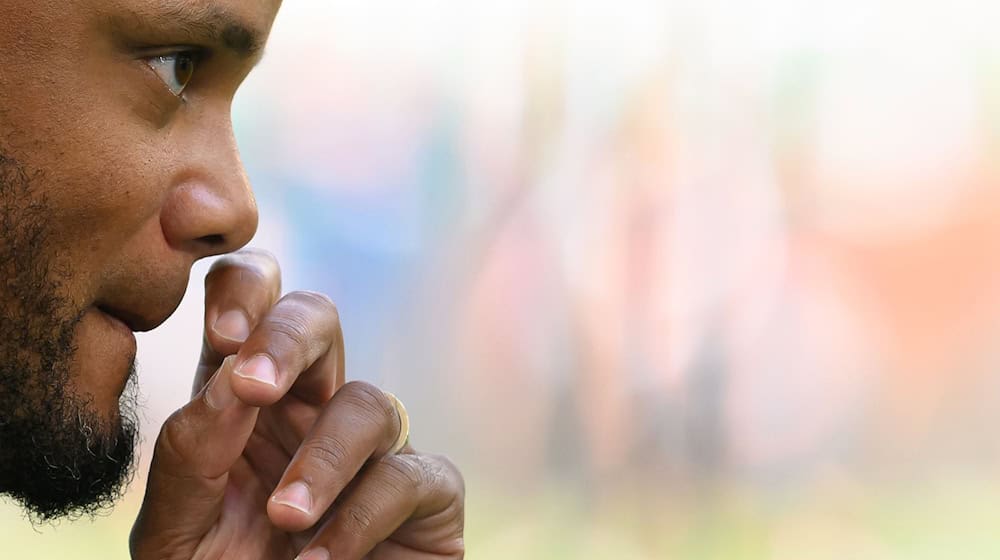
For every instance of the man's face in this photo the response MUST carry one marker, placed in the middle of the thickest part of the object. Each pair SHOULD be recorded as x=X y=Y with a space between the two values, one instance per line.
x=118 y=169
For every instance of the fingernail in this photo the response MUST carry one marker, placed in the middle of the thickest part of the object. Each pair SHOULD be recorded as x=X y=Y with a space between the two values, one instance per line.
x=259 y=368
x=295 y=495
x=232 y=325
x=219 y=394
x=314 y=554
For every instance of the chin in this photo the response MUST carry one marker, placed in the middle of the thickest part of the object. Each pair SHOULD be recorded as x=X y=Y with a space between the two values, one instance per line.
x=69 y=442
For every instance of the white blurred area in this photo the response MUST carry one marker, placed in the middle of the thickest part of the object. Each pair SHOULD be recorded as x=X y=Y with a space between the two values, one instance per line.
x=667 y=279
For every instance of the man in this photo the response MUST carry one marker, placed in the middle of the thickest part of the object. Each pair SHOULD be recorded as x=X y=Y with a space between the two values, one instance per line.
x=118 y=170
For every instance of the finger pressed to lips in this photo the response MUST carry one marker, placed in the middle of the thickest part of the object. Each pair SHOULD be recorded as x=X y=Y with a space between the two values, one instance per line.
x=297 y=346
x=240 y=288
x=359 y=424
x=341 y=479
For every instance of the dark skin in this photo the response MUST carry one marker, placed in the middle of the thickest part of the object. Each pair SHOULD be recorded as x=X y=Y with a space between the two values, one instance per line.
x=124 y=108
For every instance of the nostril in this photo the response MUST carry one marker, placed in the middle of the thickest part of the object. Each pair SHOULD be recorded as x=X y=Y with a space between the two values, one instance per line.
x=213 y=240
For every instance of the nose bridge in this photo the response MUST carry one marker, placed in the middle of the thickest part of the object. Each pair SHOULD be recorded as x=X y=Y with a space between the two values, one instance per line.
x=211 y=209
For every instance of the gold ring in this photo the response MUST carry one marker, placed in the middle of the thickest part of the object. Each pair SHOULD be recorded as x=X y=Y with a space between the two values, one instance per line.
x=404 y=425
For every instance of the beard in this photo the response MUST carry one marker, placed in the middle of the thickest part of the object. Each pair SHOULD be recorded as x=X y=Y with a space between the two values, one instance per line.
x=59 y=456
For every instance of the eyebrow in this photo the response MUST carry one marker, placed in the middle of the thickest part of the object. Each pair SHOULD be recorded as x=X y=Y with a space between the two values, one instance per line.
x=199 y=24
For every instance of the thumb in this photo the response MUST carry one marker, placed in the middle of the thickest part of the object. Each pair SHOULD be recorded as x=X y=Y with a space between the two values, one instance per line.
x=196 y=447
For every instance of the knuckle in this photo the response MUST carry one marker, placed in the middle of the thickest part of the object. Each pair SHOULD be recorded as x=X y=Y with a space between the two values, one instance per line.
x=292 y=328
x=262 y=256
x=449 y=476
x=314 y=303
x=359 y=518
x=318 y=299
x=368 y=399
x=175 y=446
x=434 y=481
x=256 y=261
x=169 y=442
x=447 y=491
x=248 y=267
x=403 y=472
x=304 y=321
x=329 y=452
x=433 y=474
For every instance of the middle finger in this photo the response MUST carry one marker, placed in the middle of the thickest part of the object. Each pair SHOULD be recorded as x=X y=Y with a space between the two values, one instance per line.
x=297 y=347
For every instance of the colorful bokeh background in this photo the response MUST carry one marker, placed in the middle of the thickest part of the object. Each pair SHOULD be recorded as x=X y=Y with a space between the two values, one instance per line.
x=667 y=278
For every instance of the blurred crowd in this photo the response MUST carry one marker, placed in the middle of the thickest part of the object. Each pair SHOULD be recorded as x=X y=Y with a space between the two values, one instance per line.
x=689 y=240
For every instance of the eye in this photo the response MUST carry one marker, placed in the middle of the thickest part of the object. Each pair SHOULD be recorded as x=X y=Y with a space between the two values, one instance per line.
x=175 y=69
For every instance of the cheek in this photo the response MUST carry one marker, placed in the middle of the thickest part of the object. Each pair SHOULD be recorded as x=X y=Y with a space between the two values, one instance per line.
x=99 y=165
x=100 y=202
x=87 y=126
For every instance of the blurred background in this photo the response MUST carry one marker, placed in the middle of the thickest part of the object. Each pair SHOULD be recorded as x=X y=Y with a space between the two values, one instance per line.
x=667 y=278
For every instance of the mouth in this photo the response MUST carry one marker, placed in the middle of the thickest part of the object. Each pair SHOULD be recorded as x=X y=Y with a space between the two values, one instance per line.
x=142 y=303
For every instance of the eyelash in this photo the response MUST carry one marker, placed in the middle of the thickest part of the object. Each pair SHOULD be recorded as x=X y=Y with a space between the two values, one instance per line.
x=166 y=67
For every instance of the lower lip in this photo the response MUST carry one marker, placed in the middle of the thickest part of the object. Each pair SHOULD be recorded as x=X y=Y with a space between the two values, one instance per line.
x=106 y=350
x=115 y=323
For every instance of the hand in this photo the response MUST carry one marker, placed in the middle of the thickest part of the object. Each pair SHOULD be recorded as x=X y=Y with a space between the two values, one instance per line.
x=293 y=461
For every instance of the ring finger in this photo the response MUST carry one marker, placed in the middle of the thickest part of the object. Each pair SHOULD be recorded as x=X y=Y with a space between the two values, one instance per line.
x=416 y=500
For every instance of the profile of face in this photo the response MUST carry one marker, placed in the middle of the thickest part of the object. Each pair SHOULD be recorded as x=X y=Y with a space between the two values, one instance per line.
x=118 y=169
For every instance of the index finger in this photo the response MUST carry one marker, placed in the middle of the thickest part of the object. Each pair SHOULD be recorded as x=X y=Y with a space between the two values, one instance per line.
x=240 y=288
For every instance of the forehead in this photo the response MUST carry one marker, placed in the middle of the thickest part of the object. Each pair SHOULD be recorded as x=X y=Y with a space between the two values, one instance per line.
x=250 y=19
x=245 y=20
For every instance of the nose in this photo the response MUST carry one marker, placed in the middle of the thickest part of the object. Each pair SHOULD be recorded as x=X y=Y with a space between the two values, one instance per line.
x=210 y=208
